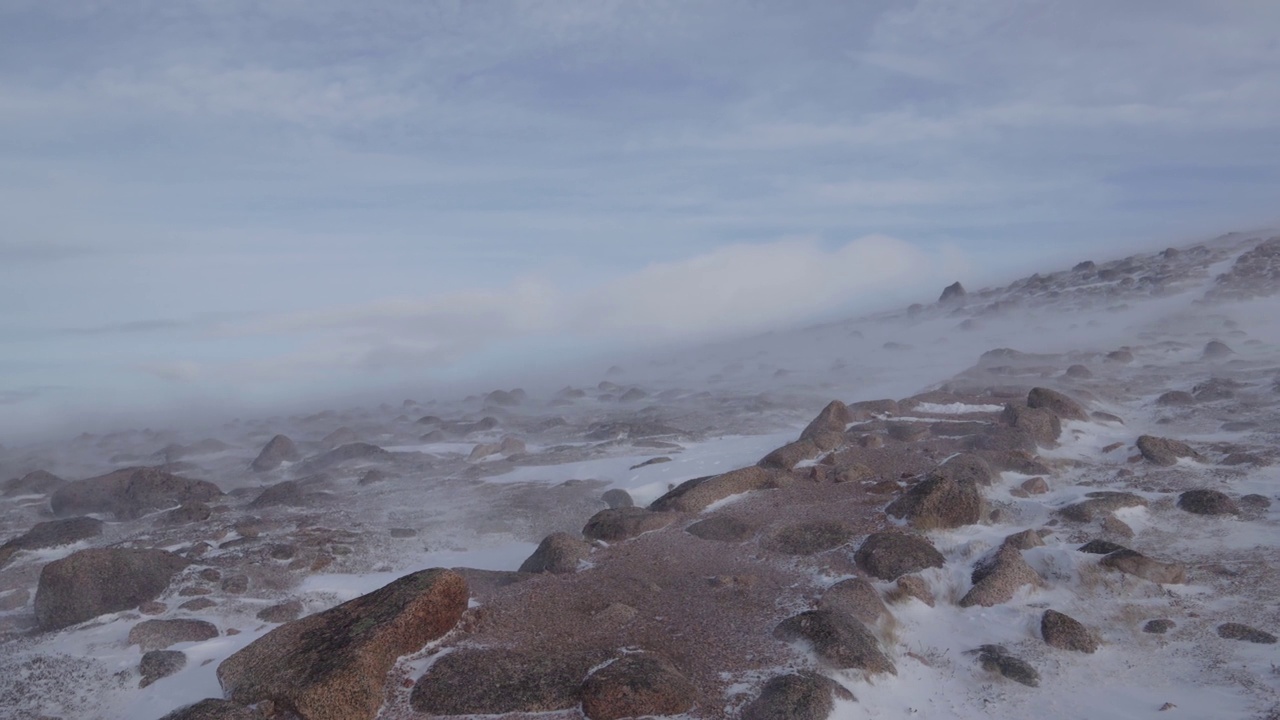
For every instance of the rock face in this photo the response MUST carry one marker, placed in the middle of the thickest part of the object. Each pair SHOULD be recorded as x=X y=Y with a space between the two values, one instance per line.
x=1207 y=502
x=333 y=665
x=695 y=495
x=278 y=450
x=1056 y=403
x=1163 y=451
x=493 y=681
x=997 y=580
x=623 y=523
x=93 y=582
x=37 y=482
x=51 y=534
x=890 y=555
x=160 y=634
x=213 y=709
x=1066 y=633
x=841 y=641
x=129 y=493
x=557 y=553
x=939 y=501
x=636 y=685
x=799 y=696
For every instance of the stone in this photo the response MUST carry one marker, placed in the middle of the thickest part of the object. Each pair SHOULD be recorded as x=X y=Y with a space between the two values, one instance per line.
x=1101 y=547
x=130 y=493
x=1163 y=451
x=213 y=709
x=1101 y=502
x=37 y=482
x=1176 y=398
x=1079 y=372
x=995 y=658
x=999 y=578
x=1066 y=633
x=278 y=450
x=854 y=597
x=557 y=553
x=197 y=604
x=191 y=512
x=916 y=587
x=93 y=582
x=493 y=681
x=809 y=538
x=890 y=555
x=722 y=528
x=617 y=498
x=281 y=612
x=1056 y=403
x=796 y=696
x=790 y=455
x=333 y=665
x=636 y=685
x=1240 y=631
x=939 y=501
x=51 y=533
x=695 y=495
x=161 y=634
x=1040 y=424
x=1024 y=540
x=235 y=585
x=1135 y=563
x=1207 y=502
x=158 y=664
x=952 y=293
x=1159 y=626
x=834 y=418
x=612 y=525
x=1034 y=486
x=287 y=492
x=841 y=641
x=1217 y=350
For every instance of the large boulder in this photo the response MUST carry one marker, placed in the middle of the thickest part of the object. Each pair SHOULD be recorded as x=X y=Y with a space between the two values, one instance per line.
x=637 y=685
x=809 y=538
x=94 y=582
x=557 y=553
x=1056 y=403
x=1163 y=451
x=857 y=598
x=1240 y=631
x=333 y=665
x=51 y=534
x=798 y=696
x=160 y=634
x=1043 y=426
x=158 y=664
x=890 y=555
x=614 y=524
x=130 y=493
x=839 y=640
x=834 y=418
x=278 y=450
x=285 y=492
x=494 y=681
x=939 y=501
x=1207 y=502
x=952 y=293
x=791 y=454
x=995 y=658
x=1101 y=503
x=695 y=495
x=38 y=482
x=998 y=578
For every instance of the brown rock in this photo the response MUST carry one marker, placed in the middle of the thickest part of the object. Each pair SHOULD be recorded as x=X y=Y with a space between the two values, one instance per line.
x=158 y=664
x=38 y=482
x=854 y=597
x=798 y=696
x=160 y=634
x=834 y=418
x=791 y=454
x=213 y=709
x=1042 y=425
x=1135 y=563
x=89 y=583
x=939 y=501
x=51 y=534
x=1163 y=451
x=1066 y=633
x=839 y=640
x=890 y=555
x=722 y=528
x=616 y=524
x=636 y=685
x=493 y=681
x=281 y=612
x=1207 y=502
x=998 y=579
x=557 y=553
x=1056 y=403
x=278 y=450
x=695 y=495
x=809 y=538
x=130 y=493
x=914 y=586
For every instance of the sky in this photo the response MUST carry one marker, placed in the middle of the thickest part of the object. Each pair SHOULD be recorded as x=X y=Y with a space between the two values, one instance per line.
x=247 y=202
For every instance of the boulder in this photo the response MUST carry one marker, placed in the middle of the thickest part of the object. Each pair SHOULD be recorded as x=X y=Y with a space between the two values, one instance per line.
x=93 y=582
x=890 y=555
x=278 y=450
x=51 y=533
x=998 y=578
x=1066 y=633
x=1056 y=403
x=333 y=665
x=286 y=492
x=791 y=454
x=1217 y=350
x=338 y=438
x=158 y=664
x=952 y=293
x=1024 y=540
x=1079 y=372
x=995 y=658
x=722 y=528
x=939 y=501
x=809 y=538
x=636 y=685
x=213 y=709
x=612 y=525
x=37 y=482
x=1100 y=502
x=1163 y=451
x=1042 y=425
x=1207 y=502
x=1176 y=398
x=967 y=468
x=854 y=597
x=1158 y=626
x=281 y=612
x=130 y=493
x=160 y=634
x=839 y=640
x=834 y=418
x=1100 y=547
x=494 y=681
x=1240 y=631
x=912 y=586
x=349 y=451
x=798 y=696
x=187 y=513
x=695 y=495
x=1135 y=563
x=557 y=553
x=617 y=498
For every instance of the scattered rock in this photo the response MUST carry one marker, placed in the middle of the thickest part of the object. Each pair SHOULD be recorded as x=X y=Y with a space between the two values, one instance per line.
x=617 y=498
x=1207 y=502
x=842 y=641
x=1135 y=563
x=998 y=579
x=281 y=612
x=160 y=634
x=1041 y=425
x=616 y=524
x=636 y=685
x=89 y=583
x=158 y=664
x=1217 y=350
x=557 y=553
x=1079 y=372
x=51 y=533
x=1158 y=627
x=995 y=658
x=1034 y=486
x=1056 y=403
x=890 y=555
x=1066 y=633
x=722 y=528
x=809 y=538
x=279 y=450
x=1163 y=451
x=1240 y=631
x=130 y=493
x=1101 y=502
x=1176 y=398
x=493 y=681
x=797 y=696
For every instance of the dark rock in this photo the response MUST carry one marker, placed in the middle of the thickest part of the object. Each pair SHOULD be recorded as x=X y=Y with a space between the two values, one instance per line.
x=287 y=492
x=695 y=495
x=722 y=528
x=999 y=578
x=617 y=498
x=809 y=538
x=213 y=709
x=158 y=664
x=1176 y=398
x=235 y=585
x=995 y=658
x=89 y=583
x=160 y=634
x=650 y=461
x=854 y=597
x=1085 y=266
x=1066 y=633
x=1101 y=547
x=616 y=524
x=187 y=513
x=1217 y=350
x=1024 y=540
x=1056 y=403
x=1207 y=502
x=839 y=640
x=333 y=665
x=1100 y=502
x=197 y=604
x=51 y=534
x=636 y=685
x=281 y=612
x=1079 y=372
x=939 y=501
x=278 y=450
x=37 y=482
x=370 y=477
x=797 y=696
x=1158 y=627
x=557 y=553
x=953 y=292
x=1240 y=631
x=1135 y=563
x=907 y=431
x=130 y=493
x=790 y=455
x=1163 y=451
x=890 y=555
x=493 y=681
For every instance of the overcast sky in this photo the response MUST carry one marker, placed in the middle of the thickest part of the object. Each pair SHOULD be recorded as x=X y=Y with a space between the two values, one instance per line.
x=267 y=199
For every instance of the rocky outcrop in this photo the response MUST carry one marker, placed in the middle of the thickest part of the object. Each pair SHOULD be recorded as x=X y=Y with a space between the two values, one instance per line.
x=94 y=582
x=1056 y=403
x=954 y=292
x=494 y=681
x=278 y=450
x=1042 y=425
x=37 y=482
x=1163 y=451
x=129 y=493
x=333 y=665
x=890 y=555
x=834 y=418
x=857 y=598
x=939 y=501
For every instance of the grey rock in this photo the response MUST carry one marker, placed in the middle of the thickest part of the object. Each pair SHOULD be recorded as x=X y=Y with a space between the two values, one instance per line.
x=890 y=555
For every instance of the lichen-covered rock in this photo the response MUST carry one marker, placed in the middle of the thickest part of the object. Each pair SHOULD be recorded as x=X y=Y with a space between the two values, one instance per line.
x=695 y=495
x=1066 y=633
x=612 y=525
x=890 y=555
x=637 y=685
x=839 y=640
x=93 y=582
x=557 y=553
x=796 y=696
x=333 y=665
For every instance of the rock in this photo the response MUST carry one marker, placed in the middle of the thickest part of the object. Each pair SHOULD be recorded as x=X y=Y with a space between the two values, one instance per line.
x=278 y=450
x=797 y=696
x=953 y=292
x=14 y=599
x=939 y=501
x=1207 y=502
x=1176 y=398
x=1100 y=502
x=617 y=498
x=1056 y=403
x=856 y=472
x=1114 y=526
x=617 y=524
x=1079 y=372
x=187 y=513
x=1120 y=357
x=633 y=395
x=1163 y=451
x=235 y=585
x=160 y=634
x=907 y=431
x=158 y=664
x=93 y=582
x=281 y=612
x=341 y=436
x=834 y=418
x=1240 y=631
x=493 y=681
x=130 y=493
x=967 y=468
x=502 y=398
x=1066 y=633
x=1255 y=503
x=1135 y=563
x=333 y=665
x=916 y=587
x=890 y=555
x=998 y=579
x=1217 y=350
x=51 y=533
x=1024 y=540
x=995 y=658
x=557 y=553
x=213 y=709
x=1043 y=426
x=197 y=605
x=287 y=492
x=809 y=538
x=370 y=477
x=616 y=615
x=790 y=455
x=483 y=450
x=37 y=482
x=841 y=641
x=695 y=495
x=1101 y=547
x=1034 y=486
x=1158 y=627
x=1215 y=389
x=636 y=685
x=854 y=597
x=349 y=451
x=650 y=461
x=722 y=528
